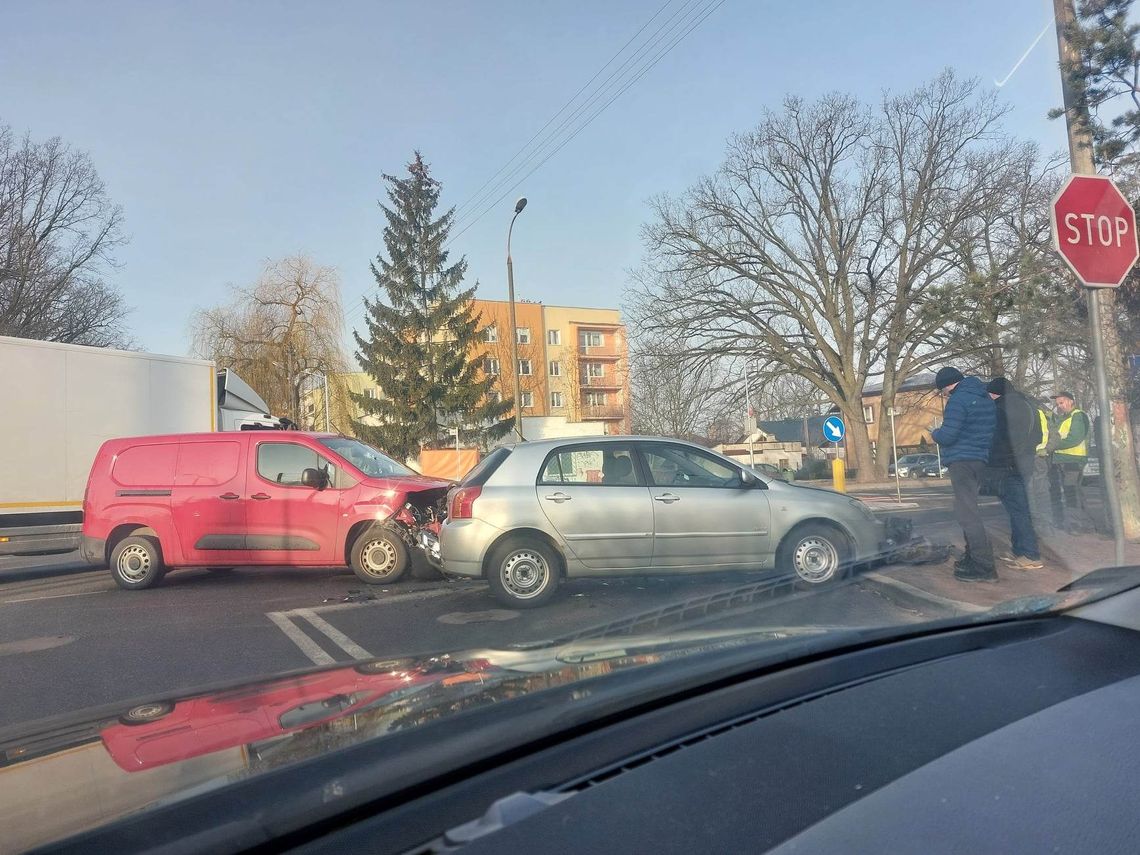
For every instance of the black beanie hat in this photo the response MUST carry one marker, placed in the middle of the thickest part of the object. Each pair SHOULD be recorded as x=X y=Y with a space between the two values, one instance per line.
x=947 y=377
x=999 y=386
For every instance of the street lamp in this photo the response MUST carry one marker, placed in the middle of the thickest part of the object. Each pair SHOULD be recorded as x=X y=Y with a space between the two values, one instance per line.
x=519 y=205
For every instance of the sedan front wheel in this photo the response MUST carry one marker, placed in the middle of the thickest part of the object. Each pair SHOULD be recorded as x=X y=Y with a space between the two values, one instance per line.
x=815 y=552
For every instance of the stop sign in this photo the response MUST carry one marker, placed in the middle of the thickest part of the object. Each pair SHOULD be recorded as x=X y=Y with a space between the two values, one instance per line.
x=1094 y=229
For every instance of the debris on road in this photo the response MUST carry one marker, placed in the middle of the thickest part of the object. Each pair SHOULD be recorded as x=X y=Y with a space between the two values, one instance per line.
x=919 y=550
x=353 y=597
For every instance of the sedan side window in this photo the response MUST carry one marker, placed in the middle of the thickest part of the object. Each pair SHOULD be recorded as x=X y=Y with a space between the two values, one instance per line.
x=677 y=466
x=602 y=466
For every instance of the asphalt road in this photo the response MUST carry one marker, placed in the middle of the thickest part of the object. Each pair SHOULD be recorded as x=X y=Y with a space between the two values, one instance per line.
x=70 y=640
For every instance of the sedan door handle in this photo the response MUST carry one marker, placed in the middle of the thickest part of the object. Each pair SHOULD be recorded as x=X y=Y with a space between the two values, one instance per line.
x=260 y=496
x=557 y=497
x=229 y=496
x=667 y=498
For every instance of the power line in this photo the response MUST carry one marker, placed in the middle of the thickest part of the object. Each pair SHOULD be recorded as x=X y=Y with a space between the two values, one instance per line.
x=666 y=34
x=701 y=16
x=655 y=37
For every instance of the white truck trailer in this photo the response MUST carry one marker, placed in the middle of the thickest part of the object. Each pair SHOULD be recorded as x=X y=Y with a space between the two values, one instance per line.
x=61 y=401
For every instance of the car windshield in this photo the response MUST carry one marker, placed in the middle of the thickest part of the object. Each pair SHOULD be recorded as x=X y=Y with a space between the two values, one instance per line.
x=556 y=342
x=364 y=457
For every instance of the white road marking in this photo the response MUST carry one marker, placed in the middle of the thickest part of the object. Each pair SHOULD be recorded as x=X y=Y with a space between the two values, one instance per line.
x=51 y=597
x=309 y=647
x=338 y=638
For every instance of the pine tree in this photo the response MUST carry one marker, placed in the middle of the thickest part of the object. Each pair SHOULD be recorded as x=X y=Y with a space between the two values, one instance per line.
x=420 y=331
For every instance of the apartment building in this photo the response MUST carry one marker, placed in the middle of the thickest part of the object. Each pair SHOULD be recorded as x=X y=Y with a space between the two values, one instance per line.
x=573 y=363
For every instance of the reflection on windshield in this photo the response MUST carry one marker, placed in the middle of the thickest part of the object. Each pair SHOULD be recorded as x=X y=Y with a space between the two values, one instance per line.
x=367 y=459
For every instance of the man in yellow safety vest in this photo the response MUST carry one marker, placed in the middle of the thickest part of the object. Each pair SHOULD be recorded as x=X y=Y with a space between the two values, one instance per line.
x=1068 y=447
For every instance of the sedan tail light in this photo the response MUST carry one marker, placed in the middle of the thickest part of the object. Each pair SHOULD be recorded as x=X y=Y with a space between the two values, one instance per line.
x=463 y=502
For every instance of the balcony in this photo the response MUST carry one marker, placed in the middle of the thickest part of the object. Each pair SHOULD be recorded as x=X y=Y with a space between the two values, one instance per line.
x=608 y=382
x=607 y=412
x=602 y=351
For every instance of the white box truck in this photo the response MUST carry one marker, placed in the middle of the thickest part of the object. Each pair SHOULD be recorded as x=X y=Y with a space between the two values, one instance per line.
x=61 y=401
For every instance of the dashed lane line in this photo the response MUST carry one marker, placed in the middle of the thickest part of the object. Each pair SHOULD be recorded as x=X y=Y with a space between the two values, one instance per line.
x=335 y=635
x=295 y=634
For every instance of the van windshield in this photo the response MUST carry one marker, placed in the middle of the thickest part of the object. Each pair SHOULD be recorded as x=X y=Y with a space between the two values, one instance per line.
x=367 y=459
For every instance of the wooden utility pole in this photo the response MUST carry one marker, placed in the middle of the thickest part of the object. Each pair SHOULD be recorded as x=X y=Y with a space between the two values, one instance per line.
x=1121 y=484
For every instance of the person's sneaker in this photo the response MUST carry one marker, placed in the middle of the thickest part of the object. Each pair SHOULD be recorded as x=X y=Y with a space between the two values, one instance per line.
x=1024 y=562
x=971 y=571
x=1008 y=558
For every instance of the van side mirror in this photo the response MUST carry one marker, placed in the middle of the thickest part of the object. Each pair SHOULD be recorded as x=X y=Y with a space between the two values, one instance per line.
x=314 y=478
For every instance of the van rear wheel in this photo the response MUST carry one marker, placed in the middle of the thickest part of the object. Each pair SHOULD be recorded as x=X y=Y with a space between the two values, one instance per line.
x=136 y=562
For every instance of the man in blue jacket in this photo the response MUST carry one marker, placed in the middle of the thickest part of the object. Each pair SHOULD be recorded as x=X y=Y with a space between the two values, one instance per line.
x=965 y=436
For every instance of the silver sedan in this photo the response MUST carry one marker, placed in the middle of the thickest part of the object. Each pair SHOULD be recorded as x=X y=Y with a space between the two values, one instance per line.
x=531 y=514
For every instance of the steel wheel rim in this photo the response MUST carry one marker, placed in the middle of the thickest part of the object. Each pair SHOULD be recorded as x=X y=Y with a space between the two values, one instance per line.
x=379 y=549
x=525 y=574
x=134 y=563
x=815 y=559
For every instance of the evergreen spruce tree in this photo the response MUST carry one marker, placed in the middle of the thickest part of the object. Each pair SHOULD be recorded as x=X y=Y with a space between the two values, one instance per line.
x=420 y=332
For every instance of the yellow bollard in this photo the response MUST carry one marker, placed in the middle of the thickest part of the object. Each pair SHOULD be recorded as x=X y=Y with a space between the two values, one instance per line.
x=838 y=475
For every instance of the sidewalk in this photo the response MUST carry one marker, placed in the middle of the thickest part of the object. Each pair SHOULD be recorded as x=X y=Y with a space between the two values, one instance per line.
x=1066 y=557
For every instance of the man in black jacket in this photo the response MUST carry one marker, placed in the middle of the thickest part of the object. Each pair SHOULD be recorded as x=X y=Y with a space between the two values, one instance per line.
x=1012 y=453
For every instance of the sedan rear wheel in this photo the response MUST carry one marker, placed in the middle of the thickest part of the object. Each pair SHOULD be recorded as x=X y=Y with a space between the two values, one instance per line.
x=523 y=573
x=816 y=553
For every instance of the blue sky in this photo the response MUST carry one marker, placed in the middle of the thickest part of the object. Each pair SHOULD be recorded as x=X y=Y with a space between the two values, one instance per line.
x=232 y=133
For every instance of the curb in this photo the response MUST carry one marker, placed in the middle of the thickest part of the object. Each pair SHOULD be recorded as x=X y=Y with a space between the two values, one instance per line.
x=889 y=505
x=916 y=597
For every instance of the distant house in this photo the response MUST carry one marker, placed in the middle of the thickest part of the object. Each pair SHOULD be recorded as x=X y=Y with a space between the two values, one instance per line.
x=780 y=443
x=917 y=407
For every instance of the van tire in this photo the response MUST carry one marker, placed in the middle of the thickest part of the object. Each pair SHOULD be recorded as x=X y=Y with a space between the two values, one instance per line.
x=379 y=556
x=136 y=562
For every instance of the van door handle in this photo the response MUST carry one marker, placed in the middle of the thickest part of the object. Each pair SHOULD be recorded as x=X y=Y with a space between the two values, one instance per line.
x=667 y=498
x=557 y=497
x=229 y=496
x=260 y=496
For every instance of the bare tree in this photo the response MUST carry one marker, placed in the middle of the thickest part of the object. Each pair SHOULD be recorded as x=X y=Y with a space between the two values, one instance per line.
x=58 y=234
x=676 y=395
x=279 y=334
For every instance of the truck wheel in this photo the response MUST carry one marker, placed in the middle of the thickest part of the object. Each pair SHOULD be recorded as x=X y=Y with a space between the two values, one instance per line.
x=136 y=562
x=379 y=556
x=523 y=573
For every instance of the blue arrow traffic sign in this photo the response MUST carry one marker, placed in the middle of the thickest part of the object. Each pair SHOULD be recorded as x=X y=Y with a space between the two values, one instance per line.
x=833 y=429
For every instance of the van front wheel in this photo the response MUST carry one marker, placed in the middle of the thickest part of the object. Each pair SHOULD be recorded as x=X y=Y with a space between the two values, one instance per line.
x=136 y=562
x=379 y=556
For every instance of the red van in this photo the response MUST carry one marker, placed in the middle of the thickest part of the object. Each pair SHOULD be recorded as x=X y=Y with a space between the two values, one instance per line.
x=220 y=500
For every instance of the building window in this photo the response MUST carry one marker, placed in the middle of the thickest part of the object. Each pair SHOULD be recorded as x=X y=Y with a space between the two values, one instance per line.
x=595 y=369
x=555 y=368
x=868 y=414
x=524 y=367
x=370 y=393
x=491 y=366
x=491 y=334
x=595 y=399
x=523 y=335
x=590 y=339
x=527 y=400
x=554 y=336
x=556 y=401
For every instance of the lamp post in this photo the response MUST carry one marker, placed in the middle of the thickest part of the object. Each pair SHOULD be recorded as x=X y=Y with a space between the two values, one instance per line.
x=519 y=205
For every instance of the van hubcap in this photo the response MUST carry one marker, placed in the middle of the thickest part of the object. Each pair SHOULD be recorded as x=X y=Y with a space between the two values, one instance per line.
x=524 y=574
x=134 y=563
x=815 y=559
x=378 y=558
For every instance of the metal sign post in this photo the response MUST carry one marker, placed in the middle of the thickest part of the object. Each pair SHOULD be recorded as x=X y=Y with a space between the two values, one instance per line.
x=833 y=431
x=895 y=454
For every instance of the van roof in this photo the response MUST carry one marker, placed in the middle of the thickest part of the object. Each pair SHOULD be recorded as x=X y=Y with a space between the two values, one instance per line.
x=220 y=435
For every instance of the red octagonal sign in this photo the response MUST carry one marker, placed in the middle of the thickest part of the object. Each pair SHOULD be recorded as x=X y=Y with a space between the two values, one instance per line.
x=1094 y=229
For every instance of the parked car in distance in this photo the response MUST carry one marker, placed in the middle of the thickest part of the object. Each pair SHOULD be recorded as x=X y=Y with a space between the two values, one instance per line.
x=770 y=471
x=154 y=503
x=933 y=470
x=536 y=512
x=910 y=465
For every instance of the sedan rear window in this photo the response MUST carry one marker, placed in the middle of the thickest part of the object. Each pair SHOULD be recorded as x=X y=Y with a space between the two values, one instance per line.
x=483 y=470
